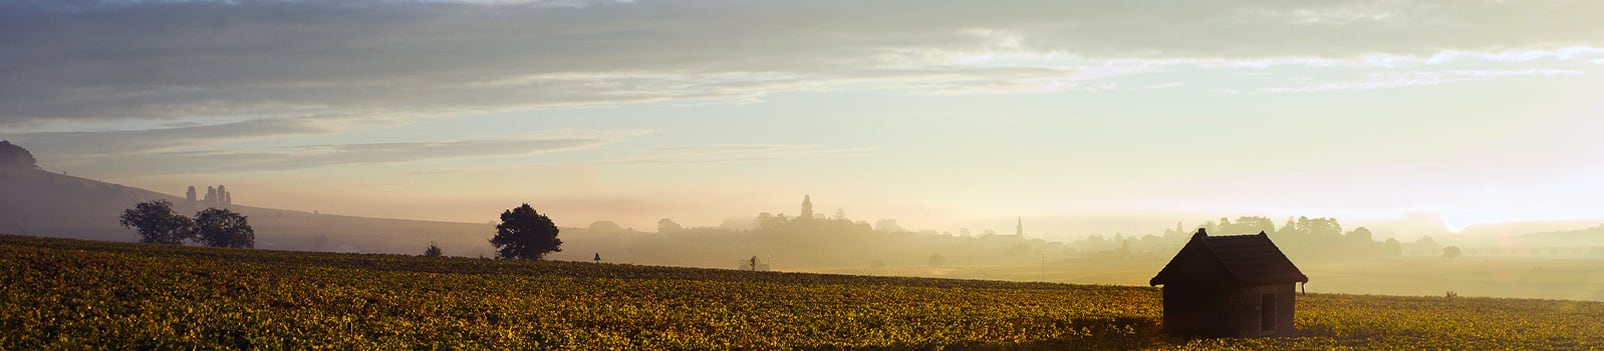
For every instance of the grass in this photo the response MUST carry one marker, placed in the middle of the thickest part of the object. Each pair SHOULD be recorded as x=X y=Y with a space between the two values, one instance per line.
x=73 y=295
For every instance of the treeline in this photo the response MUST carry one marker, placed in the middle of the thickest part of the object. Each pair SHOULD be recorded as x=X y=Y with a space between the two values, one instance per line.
x=806 y=240
x=1303 y=237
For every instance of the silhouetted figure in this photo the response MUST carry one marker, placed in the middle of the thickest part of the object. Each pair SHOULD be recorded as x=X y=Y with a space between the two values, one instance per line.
x=754 y=265
x=1229 y=286
x=524 y=233
x=598 y=258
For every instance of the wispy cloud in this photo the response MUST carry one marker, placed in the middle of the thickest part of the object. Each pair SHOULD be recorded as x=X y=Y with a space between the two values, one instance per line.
x=119 y=142
x=739 y=153
x=1399 y=79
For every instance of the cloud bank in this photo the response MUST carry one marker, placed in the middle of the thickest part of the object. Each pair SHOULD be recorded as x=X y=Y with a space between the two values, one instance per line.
x=89 y=60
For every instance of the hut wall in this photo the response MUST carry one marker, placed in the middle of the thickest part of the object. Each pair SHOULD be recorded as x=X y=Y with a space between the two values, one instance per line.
x=1201 y=301
x=1250 y=321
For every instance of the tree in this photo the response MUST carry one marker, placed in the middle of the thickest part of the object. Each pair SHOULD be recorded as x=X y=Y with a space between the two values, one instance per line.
x=157 y=223
x=433 y=250
x=1451 y=252
x=1392 y=247
x=604 y=226
x=224 y=228
x=1361 y=235
x=888 y=225
x=668 y=226
x=13 y=156
x=807 y=208
x=840 y=214
x=524 y=233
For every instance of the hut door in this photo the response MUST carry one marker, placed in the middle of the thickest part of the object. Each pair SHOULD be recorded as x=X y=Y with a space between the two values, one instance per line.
x=1267 y=313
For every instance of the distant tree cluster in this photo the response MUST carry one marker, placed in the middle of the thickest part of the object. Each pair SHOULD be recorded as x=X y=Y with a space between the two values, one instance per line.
x=1307 y=237
x=158 y=223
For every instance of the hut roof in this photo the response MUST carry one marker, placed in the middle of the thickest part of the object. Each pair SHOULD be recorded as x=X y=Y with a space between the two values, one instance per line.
x=1246 y=259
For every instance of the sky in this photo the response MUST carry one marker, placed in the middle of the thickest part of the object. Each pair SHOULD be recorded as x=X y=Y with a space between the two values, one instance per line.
x=940 y=114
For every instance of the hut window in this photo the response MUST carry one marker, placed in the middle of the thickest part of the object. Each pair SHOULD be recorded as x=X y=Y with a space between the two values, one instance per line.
x=1267 y=312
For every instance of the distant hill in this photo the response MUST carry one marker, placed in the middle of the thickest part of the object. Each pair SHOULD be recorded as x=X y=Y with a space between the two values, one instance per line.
x=42 y=203
x=1517 y=228
x=1590 y=237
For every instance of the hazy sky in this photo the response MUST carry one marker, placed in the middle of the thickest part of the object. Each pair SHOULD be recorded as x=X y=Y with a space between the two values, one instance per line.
x=938 y=113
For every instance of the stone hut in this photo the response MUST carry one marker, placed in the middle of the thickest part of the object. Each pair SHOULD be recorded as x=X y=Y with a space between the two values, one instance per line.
x=1229 y=286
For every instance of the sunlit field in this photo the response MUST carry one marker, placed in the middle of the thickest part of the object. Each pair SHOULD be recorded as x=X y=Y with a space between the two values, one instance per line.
x=70 y=294
x=1575 y=278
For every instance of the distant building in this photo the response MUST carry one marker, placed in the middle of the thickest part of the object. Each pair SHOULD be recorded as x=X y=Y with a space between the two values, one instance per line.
x=1229 y=286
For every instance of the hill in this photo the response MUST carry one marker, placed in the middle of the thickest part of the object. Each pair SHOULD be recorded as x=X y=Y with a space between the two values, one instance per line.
x=38 y=202
x=74 y=294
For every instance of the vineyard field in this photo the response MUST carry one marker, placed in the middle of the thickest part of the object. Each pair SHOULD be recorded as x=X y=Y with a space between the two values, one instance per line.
x=64 y=294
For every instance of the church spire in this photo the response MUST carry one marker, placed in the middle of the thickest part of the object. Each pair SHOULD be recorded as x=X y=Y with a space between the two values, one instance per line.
x=1019 y=229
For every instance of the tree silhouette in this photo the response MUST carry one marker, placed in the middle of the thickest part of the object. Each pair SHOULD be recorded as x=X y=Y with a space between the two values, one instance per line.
x=668 y=226
x=807 y=208
x=433 y=250
x=1451 y=252
x=524 y=233
x=13 y=156
x=157 y=223
x=224 y=228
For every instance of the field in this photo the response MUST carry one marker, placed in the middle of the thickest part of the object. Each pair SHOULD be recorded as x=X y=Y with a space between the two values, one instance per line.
x=73 y=295
x=1568 y=278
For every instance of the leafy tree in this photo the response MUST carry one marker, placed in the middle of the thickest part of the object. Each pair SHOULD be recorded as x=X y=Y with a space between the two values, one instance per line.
x=1361 y=235
x=224 y=228
x=1451 y=252
x=433 y=250
x=157 y=223
x=13 y=156
x=668 y=226
x=604 y=226
x=524 y=233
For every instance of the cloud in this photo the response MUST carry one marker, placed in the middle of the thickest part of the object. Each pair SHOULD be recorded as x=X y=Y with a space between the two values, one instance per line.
x=119 y=142
x=311 y=156
x=87 y=60
x=739 y=153
x=1399 y=79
